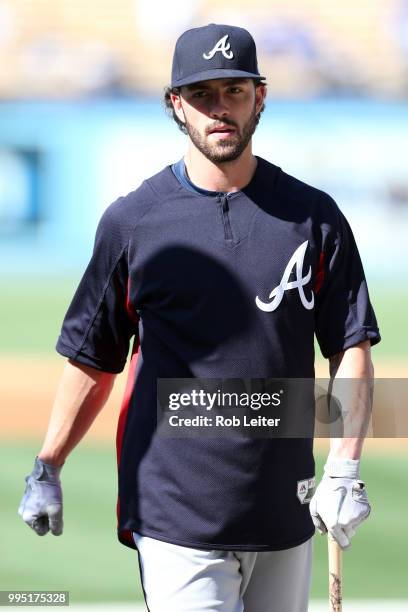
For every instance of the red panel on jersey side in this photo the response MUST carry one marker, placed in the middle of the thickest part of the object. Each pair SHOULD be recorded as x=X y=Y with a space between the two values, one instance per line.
x=319 y=274
x=126 y=534
x=122 y=423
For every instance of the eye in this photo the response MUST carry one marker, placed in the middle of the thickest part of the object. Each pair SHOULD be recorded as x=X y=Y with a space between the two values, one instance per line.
x=199 y=94
x=235 y=90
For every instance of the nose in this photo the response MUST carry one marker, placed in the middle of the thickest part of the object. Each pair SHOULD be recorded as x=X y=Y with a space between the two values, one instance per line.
x=219 y=107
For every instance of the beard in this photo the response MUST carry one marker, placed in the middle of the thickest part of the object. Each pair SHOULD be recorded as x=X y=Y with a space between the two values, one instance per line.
x=224 y=150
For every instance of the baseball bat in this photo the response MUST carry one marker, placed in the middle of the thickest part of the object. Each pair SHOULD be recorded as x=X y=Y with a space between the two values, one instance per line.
x=335 y=575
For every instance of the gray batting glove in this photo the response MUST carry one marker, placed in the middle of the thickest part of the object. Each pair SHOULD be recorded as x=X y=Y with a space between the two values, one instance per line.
x=340 y=502
x=41 y=506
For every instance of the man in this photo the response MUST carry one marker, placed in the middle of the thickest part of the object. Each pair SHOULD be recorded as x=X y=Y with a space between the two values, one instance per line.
x=221 y=265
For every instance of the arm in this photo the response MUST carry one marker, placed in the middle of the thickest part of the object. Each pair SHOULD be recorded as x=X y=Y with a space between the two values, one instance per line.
x=81 y=394
x=340 y=502
x=97 y=329
x=354 y=363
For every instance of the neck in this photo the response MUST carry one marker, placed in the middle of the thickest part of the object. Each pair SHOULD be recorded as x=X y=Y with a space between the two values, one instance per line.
x=227 y=176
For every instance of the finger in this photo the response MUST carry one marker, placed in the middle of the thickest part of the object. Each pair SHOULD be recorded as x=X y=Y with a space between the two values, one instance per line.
x=349 y=531
x=366 y=513
x=313 y=507
x=318 y=523
x=341 y=538
x=55 y=519
x=56 y=526
x=22 y=505
x=353 y=514
x=40 y=525
x=334 y=507
x=359 y=491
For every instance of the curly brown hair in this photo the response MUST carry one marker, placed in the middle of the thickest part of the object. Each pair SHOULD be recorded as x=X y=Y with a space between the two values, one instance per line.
x=176 y=90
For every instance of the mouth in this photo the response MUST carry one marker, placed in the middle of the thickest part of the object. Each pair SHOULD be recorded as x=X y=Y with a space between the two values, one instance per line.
x=220 y=134
x=222 y=130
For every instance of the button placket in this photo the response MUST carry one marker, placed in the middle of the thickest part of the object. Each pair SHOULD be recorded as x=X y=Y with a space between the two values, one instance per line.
x=223 y=203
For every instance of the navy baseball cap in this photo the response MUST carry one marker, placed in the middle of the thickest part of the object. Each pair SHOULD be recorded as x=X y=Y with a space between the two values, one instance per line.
x=214 y=51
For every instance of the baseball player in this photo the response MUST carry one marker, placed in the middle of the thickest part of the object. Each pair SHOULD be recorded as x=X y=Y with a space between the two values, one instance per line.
x=221 y=265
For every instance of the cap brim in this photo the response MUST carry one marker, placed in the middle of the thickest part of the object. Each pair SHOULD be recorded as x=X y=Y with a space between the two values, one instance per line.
x=207 y=75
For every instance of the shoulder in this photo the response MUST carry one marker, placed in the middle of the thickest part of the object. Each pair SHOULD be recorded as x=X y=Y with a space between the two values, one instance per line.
x=300 y=199
x=305 y=194
x=121 y=217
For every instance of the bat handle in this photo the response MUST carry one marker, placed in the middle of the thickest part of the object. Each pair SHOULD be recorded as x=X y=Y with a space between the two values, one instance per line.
x=335 y=575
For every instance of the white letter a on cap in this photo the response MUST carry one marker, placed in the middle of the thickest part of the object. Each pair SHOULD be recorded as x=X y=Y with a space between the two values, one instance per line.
x=221 y=46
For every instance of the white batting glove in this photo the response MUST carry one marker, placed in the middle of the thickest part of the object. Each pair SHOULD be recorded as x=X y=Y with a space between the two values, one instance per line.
x=340 y=501
x=41 y=506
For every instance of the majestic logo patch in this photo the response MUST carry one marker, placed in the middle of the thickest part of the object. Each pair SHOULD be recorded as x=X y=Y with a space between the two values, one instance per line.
x=276 y=294
x=306 y=489
x=223 y=47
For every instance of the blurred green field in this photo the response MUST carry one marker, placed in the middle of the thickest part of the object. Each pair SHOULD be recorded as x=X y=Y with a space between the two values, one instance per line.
x=31 y=314
x=88 y=561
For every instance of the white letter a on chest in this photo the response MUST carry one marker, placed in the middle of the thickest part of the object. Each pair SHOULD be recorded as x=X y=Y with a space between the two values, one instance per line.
x=276 y=294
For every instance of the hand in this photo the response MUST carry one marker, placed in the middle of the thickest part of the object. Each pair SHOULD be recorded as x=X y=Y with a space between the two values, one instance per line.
x=339 y=505
x=41 y=506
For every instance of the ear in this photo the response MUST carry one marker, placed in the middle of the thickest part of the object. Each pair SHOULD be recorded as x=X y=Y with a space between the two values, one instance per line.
x=178 y=109
x=260 y=95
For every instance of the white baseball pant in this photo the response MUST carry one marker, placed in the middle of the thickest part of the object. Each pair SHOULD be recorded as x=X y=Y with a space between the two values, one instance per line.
x=180 y=579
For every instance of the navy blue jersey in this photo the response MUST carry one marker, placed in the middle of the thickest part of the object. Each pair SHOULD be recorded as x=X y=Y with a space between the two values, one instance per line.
x=216 y=285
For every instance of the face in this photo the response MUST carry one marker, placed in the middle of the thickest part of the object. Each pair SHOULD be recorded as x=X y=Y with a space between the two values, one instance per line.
x=220 y=115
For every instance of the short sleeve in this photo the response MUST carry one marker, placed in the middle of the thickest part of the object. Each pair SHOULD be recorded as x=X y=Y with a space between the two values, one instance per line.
x=344 y=315
x=99 y=323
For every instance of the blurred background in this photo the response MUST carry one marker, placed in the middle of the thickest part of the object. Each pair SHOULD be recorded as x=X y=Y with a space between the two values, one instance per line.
x=81 y=122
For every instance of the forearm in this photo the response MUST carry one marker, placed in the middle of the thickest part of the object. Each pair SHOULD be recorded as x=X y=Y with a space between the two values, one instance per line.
x=353 y=375
x=81 y=394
